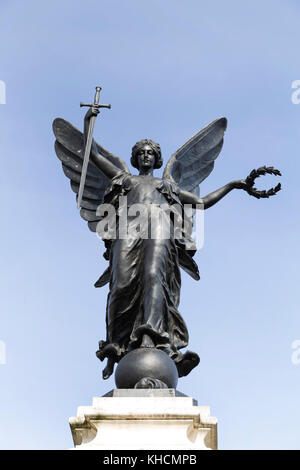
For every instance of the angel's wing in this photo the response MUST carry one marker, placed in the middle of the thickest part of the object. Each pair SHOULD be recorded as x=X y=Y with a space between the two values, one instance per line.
x=188 y=167
x=69 y=147
x=194 y=161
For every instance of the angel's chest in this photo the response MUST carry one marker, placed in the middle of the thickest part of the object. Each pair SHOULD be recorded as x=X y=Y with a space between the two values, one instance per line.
x=144 y=190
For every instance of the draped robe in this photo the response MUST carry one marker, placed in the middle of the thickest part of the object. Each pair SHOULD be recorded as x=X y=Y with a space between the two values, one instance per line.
x=145 y=281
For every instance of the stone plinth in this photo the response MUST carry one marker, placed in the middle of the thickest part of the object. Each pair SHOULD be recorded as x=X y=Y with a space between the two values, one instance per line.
x=144 y=419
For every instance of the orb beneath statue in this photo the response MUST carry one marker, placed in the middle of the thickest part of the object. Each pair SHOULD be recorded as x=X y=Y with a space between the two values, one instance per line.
x=146 y=368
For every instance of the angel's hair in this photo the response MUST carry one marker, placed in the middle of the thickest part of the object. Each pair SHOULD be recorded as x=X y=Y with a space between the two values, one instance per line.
x=155 y=147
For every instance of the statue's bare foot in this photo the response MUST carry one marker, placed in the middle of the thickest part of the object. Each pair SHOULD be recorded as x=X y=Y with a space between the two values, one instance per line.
x=188 y=362
x=147 y=342
x=108 y=370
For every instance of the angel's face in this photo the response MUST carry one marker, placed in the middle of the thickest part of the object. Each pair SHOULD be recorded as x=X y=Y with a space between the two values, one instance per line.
x=146 y=158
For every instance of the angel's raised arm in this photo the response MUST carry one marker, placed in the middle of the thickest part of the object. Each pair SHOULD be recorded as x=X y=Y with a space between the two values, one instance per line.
x=109 y=169
x=207 y=201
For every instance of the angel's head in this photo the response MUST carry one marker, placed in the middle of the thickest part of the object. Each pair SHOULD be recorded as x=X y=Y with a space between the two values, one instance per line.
x=146 y=155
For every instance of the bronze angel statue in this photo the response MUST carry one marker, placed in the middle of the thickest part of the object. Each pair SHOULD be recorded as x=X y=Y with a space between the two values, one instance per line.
x=144 y=272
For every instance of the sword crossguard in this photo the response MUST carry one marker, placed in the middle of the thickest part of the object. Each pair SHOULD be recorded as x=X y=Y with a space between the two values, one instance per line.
x=96 y=105
x=96 y=101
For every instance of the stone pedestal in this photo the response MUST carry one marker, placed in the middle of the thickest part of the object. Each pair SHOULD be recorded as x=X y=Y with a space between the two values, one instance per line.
x=144 y=419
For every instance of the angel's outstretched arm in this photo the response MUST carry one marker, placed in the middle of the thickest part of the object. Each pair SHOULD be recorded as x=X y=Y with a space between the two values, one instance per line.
x=207 y=201
x=109 y=169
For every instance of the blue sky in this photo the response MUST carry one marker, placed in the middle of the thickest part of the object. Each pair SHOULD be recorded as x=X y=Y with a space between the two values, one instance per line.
x=168 y=69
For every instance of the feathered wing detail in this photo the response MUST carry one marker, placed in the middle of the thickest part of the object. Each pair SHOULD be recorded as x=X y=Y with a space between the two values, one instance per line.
x=188 y=167
x=195 y=160
x=69 y=147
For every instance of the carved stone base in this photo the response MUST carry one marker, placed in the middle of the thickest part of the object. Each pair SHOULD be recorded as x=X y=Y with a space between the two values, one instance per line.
x=139 y=419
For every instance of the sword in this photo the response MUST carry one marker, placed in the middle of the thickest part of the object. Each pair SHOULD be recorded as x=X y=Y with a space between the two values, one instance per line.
x=89 y=142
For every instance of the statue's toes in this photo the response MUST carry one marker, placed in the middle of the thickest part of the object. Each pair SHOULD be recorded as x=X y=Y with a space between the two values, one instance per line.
x=108 y=370
x=106 y=373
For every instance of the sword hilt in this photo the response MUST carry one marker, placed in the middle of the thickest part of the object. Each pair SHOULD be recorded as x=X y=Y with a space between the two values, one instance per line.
x=96 y=101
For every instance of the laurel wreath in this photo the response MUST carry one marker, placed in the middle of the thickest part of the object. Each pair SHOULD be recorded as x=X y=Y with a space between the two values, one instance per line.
x=259 y=172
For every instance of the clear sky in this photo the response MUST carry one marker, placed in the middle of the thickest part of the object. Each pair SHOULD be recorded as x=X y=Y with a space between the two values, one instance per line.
x=168 y=69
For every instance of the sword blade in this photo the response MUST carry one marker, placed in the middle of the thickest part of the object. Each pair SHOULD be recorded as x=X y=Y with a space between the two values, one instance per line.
x=86 y=160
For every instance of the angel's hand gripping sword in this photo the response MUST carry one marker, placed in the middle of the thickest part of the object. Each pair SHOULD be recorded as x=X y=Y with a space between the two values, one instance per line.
x=89 y=142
